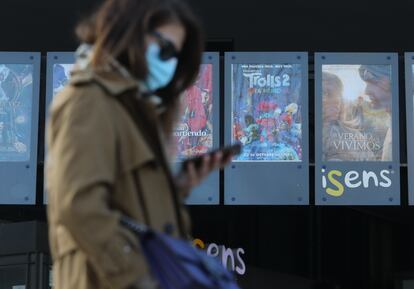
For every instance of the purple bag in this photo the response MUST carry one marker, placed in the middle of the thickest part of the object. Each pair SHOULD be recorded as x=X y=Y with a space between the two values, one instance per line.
x=176 y=264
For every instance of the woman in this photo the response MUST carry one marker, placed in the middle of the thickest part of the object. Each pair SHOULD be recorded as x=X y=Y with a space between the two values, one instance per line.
x=106 y=142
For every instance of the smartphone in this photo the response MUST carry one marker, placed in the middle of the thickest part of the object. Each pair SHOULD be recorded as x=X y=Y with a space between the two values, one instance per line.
x=230 y=150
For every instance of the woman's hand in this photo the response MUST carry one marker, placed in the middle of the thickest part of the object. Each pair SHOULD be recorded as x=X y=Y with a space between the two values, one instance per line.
x=191 y=175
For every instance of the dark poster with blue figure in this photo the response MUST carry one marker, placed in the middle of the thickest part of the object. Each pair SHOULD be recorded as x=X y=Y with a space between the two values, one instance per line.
x=16 y=96
x=61 y=76
x=19 y=111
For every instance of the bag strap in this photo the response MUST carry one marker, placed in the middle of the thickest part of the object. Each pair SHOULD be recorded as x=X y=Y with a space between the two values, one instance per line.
x=147 y=125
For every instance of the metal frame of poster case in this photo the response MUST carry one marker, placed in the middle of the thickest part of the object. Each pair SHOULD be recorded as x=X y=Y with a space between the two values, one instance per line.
x=409 y=94
x=52 y=59
x=373 y=195
x=208 y=192
x=267 y=182
x=18 y=178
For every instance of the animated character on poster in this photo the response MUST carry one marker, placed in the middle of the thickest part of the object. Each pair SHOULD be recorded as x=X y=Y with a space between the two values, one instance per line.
x=15 y=111
x=266 y=111
x=356 y=105
x=266 y=120
x=193 y=134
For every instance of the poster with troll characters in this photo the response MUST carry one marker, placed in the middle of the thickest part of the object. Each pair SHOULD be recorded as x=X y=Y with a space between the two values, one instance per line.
x=267 y=112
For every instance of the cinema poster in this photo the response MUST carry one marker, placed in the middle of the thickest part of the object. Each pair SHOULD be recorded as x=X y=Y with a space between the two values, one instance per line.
x=61 y=76
x=193 y=134
x=16 y=97
x=356 y=113
x=267 y=112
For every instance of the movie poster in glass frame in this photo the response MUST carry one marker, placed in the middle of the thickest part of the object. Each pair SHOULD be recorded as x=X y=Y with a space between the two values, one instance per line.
x=356 y=129
x=266 y=110
x=198 y=128
x=19 y=114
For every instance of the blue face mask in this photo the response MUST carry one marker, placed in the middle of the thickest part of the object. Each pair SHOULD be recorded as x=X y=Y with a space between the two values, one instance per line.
x=160 y=72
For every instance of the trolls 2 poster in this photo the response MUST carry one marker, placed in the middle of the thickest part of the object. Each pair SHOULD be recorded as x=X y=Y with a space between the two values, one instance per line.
x=266 y=112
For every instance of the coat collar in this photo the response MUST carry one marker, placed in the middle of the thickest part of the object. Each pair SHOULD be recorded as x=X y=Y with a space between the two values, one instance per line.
x=115 y=83
x=111 y=80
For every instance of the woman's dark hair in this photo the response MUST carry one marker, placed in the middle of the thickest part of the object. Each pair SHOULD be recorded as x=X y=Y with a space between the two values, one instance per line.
x=118 y=28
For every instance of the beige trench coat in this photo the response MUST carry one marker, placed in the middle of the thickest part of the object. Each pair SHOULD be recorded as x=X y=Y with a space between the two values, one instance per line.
x=99 y=167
